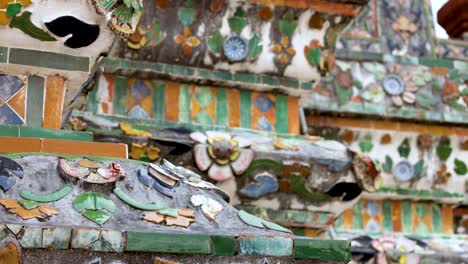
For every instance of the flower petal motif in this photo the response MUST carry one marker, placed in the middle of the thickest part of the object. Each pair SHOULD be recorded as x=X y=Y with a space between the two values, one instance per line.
x=276 y=48
x=283 y=59
x=408 y=97
x=220 y=172
x=291 y=51
x=215 y=134
x=4 y=19
x=179 y=39
x=199 y=137
x=186 y=49
x=202 y=159
x=285 y=41
x=193 y=41
x=242 y=163
x=187 y=32
x=397 y=100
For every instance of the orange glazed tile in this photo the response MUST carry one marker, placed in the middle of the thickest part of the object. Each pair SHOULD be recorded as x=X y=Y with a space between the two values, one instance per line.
x=310 y=232
x=233 y=96
x=172 y=101
x=319 y=5
x=55 y=91
x=348 y=219
x=396 y=216
x=447 y=219
x=18 y=102
x=84 y=148
x=293 y=115
x=15 y=145
x=107 y=106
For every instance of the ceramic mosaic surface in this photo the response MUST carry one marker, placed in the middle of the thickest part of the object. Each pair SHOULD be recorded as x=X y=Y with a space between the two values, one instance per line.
x=149 y=99
x=382 y=216
x=12 y=99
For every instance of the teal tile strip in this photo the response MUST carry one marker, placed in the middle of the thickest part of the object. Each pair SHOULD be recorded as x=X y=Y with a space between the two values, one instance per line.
x=184 y=104
x=159 y=102
x=436 y=218
x=168 y=243
x=9 y=131
x=322 y=249
x=120 y=96
x=224 y=245
x=33 y=132
x=265 y=246
x=48 y=60
x=246 y=106
x=406 y=216
x=222 y=116
x=35 y=101
x=93 y=97
x=3 y=54
x=282 y=114
x=357 y=216
x=387 y=216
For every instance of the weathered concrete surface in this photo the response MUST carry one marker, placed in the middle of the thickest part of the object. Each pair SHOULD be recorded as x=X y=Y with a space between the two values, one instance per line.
x=41 y=176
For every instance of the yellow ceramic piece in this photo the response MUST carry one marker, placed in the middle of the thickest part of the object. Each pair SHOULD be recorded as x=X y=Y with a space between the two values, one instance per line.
x=137 y=151
x=153 y=152
x=88 y=164
x=4 y=19
x=129 y=130
x=280 y=145
x=24 y=3
x=235 y=154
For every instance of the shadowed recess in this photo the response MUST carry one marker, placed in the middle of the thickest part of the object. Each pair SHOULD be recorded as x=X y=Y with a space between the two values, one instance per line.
x=83 y=34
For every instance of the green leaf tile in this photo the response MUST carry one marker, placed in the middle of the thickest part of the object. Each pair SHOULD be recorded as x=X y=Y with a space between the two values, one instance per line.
x=34 y=132
x=49 y=60
x=46 y=198
x=444 y=149
x=298 y=186
x=282 y=117
x=404 y=148
x=215 y=42
x=130 y=201
x=460 y=167
x=28 y=204
x=388 y=164
x=25 y=24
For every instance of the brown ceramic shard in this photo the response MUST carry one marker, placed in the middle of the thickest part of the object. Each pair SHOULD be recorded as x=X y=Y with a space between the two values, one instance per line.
x=26 y=214
x=9 y=203
x=48 y=210
x=179 y=221
x=154 y=217
x=187 y=212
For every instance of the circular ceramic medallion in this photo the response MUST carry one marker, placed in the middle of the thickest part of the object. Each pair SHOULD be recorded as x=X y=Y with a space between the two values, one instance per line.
x=393 y=84
x=235 y=48
x=403 y=171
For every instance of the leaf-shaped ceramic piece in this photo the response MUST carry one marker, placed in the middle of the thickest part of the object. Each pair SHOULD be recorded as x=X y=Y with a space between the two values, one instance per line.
x=25 y=24
x=460 y=167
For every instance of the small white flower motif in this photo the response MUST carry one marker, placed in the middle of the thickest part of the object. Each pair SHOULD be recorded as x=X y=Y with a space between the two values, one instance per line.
x=221 y=154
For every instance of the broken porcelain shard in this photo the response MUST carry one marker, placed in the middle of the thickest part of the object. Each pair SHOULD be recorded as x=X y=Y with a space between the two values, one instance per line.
x=71 y=170
x=211 y=208
x=9 y=170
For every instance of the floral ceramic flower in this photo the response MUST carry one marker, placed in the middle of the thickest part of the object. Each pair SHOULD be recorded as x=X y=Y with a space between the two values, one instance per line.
x=367 y=172
x=187 y=41
x=404 y=26
x=400 y=86
x=9 y=9
x=284 y=51
x=221 y=154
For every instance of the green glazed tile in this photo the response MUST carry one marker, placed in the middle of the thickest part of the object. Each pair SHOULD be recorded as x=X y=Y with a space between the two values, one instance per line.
x=120 y=96
x=222 y=112
x=83 y=237
x=406 y=215
x=168 y=243
x=3 y=54
x=35 y=101
x=130 y=201
x=306 y=85
x=31 y=238
x=289 y=82
x=13 y=9
x=265 y=246
x=322 y=249
x=246 y=77
x=97 y=216
x=436 y=218
x=207 y=74
x=245 y=115
x=270 y=80
x=179 y=70
x=223 y=75
x=99 y=245
x=357 y=216
x=49 y=60
x=298 y=186
x=282 y=117
x=184 y=103
x=114 y=239
x=28 y=204
x=9 y=131
x=46 y=198
x=432 y=62
x=15 y=229
x=56 y=237
x=354 y=55
x=33 y=132
x=224 y=245
x=387 y=216
x=159 y=102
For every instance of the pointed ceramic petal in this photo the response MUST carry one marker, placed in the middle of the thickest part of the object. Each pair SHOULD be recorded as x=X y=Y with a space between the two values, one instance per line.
x=26 y=214
x=9 y=203
x=48 y=210
x=243 y=142
x=215 y=134
x=250 y=219
x=202 y=158
x=242 y=163
x=220 y=173
x=199 y=137
x=275 y=227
